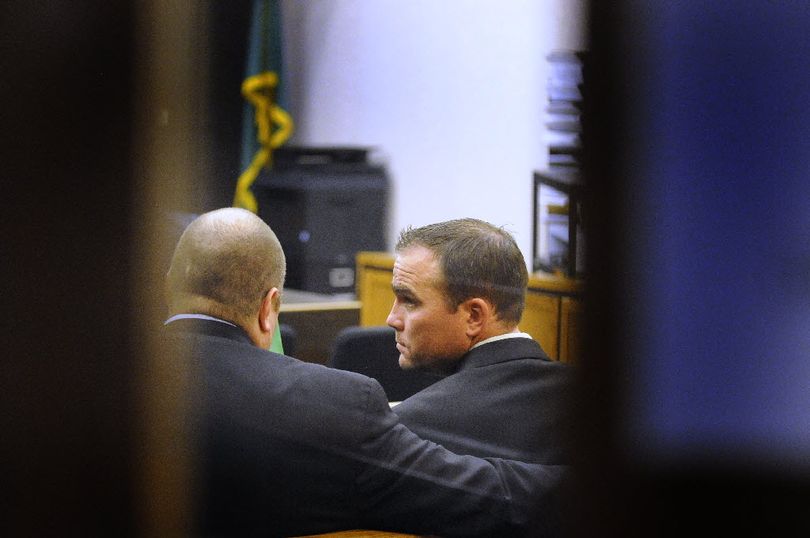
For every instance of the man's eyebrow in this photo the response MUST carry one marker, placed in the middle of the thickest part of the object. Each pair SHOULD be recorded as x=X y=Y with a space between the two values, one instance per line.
x=402 y=290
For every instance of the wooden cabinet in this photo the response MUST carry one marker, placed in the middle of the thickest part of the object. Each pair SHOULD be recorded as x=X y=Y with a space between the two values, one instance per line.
x=553 y=313
x=572 y=319
x=374 y=272
x=541 y=319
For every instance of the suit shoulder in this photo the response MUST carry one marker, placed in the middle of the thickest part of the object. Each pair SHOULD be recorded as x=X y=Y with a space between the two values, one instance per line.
x=341 y=386
x=320 y=372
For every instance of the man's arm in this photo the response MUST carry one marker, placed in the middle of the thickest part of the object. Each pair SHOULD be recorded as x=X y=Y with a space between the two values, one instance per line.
x=417 y=486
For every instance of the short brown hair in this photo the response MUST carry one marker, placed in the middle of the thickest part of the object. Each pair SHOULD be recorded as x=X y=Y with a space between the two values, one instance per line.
x=477 y=259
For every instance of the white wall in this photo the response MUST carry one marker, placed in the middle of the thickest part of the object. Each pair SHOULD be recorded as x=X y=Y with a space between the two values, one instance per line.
x=451 y=92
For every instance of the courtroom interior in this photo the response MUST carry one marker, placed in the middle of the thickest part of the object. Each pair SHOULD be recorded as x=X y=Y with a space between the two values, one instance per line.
x=649 y=159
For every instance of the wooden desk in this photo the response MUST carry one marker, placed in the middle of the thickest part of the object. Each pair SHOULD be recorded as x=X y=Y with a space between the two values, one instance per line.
x=553 y=315
x=317 y=319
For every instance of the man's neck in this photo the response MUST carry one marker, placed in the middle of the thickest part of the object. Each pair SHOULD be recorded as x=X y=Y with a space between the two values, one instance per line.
x=502 y=335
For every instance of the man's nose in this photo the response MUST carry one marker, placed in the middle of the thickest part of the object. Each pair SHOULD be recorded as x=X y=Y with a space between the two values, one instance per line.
x=393 y=320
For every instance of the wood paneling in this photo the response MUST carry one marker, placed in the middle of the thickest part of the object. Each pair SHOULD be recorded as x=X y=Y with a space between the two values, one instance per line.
x=374 y=271
x=572 y=329
x=541 y=319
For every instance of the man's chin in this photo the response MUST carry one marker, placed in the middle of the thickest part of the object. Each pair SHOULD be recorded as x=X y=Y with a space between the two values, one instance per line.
x=405 y=363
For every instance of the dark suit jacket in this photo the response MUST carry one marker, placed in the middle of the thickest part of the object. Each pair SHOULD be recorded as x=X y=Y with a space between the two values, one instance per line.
x=507 y=399
x=287 y=448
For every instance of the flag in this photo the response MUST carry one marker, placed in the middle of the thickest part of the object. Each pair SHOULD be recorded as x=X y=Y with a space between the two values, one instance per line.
x=266 y=125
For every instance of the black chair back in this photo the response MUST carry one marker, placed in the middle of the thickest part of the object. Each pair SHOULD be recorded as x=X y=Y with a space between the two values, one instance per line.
x=372 y=351
x=289 y=338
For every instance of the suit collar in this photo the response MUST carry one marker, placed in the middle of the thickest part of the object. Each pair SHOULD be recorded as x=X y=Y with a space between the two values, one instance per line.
x=209 y=327
x=502 y=351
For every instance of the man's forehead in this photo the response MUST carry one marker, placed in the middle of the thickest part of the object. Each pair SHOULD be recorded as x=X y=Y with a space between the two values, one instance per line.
x=416 y=267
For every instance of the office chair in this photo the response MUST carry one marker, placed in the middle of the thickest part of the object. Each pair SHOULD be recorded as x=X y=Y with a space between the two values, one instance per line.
x=289 y=338
x=372 y=351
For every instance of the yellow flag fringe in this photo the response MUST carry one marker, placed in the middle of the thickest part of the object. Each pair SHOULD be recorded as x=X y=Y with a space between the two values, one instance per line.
x=259 y=90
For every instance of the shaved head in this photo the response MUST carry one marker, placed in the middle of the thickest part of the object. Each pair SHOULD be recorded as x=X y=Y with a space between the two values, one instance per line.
x=224 y=264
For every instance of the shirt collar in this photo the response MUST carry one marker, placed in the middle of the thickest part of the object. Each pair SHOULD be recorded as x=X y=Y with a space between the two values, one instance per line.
x=501 y=337
x=196 y=316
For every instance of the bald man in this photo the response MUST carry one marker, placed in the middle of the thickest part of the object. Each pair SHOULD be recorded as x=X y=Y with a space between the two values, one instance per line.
x=286 y=447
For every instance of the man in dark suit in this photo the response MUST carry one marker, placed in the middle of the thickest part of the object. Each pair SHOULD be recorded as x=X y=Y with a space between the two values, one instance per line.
x=283 y=447
x=460 y=289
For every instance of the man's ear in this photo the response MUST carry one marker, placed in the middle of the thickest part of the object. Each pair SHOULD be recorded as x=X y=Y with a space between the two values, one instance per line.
x=268 y=313
x=478 y=312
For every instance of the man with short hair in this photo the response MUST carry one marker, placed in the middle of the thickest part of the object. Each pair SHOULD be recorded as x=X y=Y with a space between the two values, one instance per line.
x=460 y=290
x=284 y=447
